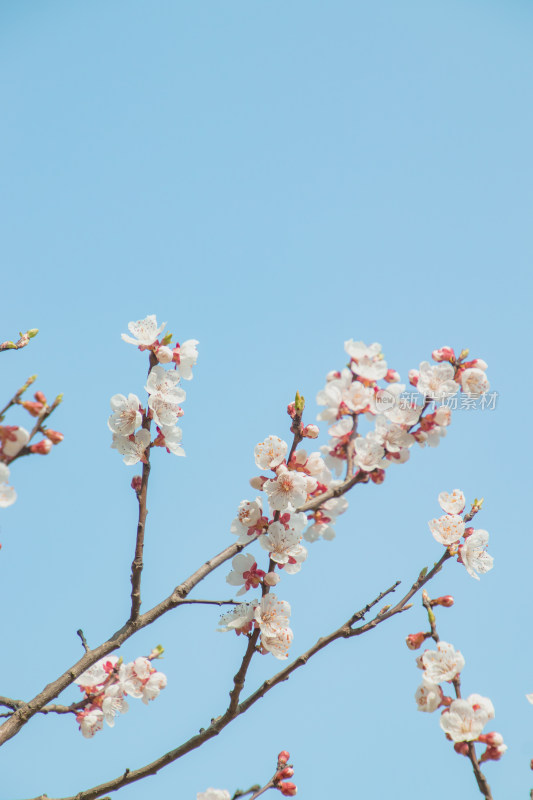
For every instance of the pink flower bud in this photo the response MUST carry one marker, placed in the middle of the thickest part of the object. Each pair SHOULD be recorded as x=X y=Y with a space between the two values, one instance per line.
x=43 y=447
x=136 y=483
x=415 y=640
x=413 y=377
x=493 y=738
x=446 y=601
x=311 y=431
x=444 y=354
x=461 y=748
x=33 y=408
x=286 y=772
x=40 y=397
x=283 y=757
x=333 y=376
x=493 y=753
x=392 y=376
x=377 y=476
x=468 y=532
x=291 y=410
x=271 y=578
x=54 y=436
x=257 y=483
x=288 y=789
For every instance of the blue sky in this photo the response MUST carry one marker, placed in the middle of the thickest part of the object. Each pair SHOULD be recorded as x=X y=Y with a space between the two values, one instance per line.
x=271 y=179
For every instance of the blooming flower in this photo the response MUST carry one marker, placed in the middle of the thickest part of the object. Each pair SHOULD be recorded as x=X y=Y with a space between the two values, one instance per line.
x=132 y=448
x=465 y=719
x=369 y=454
x=443 y=664
x=279 y=643
x=283 y=546
x=272 y=615
x=367 y=362
x=238 y=618
x=437 y=382
x=145 y=331
x=474 y=382
x=428 y=696
x=186 y=358
x=248 y=517
x=270 y=453
x=447 y=529
x=166 y=409
x=288 y=488
x=126 y=416
x=245 y=573
x=97 y=675
x=171 y=439
x=113 y=703
x=453 y=503
x=163 y=383
x=473 y=554
x=90 y=720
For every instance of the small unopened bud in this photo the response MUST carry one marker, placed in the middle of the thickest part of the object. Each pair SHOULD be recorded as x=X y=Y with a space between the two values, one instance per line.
x=299 y=403
x=463 y=354
x=288 y=789
x=461 y=748
x=164 y=355
x=413 y=377
x=468 y=532
x=291 y=410
x=446 y=601
x=32 y=332
x=377 y=476
x=415 y=640
x=283 y=757
x=493 y=753
x=443 y=354
x=257 y=483
x=311 y=431
x=43 y=447
x=392 y=376
x=493 y=738
x=136 y=483
x=271 y=578
x=55 y=436
x=157 y=652
x=40 y=397
x=33 y=408
x=286 y=772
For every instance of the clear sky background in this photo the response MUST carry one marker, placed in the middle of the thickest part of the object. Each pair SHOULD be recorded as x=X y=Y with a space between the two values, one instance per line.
x=271 y=179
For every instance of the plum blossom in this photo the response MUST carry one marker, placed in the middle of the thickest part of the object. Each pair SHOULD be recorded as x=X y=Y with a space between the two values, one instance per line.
x=152 y=687
x=97 y=675
x=270 y=453
x=357 y=397
x=437 y=382
x=474 y=382
x=186 y=358
x=113 y=703
x=245 y=573
x=369 y=454
x=453 y=503
x=239 y=618
x=392 y=437
x=14 y=438
x=283 y=546
x=90 y=720
x=165 y=409
x=279 y=643
x=332 y=394
x=132 y=447
x=447 y=529
x=473 y=553
x=126 y=416
x=144 y=331
x=171 y=439
x=465 y=719
x=428 y=696
x=442 y=664
x=288 y=488
x=272 y=615
x=249 y=521
x=164 y=383
x=367 y=362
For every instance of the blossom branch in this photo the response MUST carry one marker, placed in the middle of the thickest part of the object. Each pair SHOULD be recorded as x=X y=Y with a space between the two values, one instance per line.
x=22 y=341
x=16 y=397
x=37 y=428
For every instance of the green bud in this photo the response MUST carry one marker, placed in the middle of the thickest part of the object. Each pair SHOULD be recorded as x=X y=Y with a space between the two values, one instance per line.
x=299 y=404
x=32 y=332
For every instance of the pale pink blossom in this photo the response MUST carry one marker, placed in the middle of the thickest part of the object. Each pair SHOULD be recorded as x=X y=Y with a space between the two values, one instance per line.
x=288 y=488
x=465 y=719
x=272 y=615
x=164 y=383
x=7 y=495
x=132 y=676
x=392 y=437
x=97 y=675
x=164 y=354
x=331 y=395
x=166 y=409
x=151 y=688
x=186 y=358
x=447 y=529
x=474 y=382
x=442 y=664
x=367 y=362
x=249 y=521
x=453 y=503
x=437 y=382
x=474 y=555
x=90 y=720
x=283 y=546
x=369 y=454
x=428 y=696
x=279 y=643
x=172 y=439
x=133 y=449
x=270 y=453
x=126 y=416
x=17 y=439
x=144 y=331
x=245 y=573
x=357 y=396
x=113 y=703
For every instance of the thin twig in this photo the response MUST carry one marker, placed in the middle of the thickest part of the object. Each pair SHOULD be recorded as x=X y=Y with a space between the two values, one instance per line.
x=83 y=640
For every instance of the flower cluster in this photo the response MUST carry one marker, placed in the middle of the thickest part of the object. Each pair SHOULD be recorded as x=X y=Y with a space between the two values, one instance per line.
x=270 y=615
x=164 y=395
x=451 y=528
x=108 y=682
x=279 y=781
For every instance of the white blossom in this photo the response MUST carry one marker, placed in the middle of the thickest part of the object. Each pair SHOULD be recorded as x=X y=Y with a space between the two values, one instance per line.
x=368 y=361
x=126 y=416
x=270 y=453
x=428 y=696
x=474 y=382
x=243 y=564
x=442 y=664
x=164 y=383
x=474 y=555
x=248 y=515
x=272 y=615
x=12 y=446
x=114 y=703
x=369 y=454
x=172 y=437
x=188 y=355
x=133 y=448
x=238 y=617
x=331 y=395
x=144 y=331
x=453 y=503
x=447 y=529
x=319 y=530
x=151 y=688
x=166 y=409
x=97 y=674
x=213 y=794
x=283 y=546
x=437 y=381
x=279 y=643
x=465 y=719
x=288 y=488
x=90 y=720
